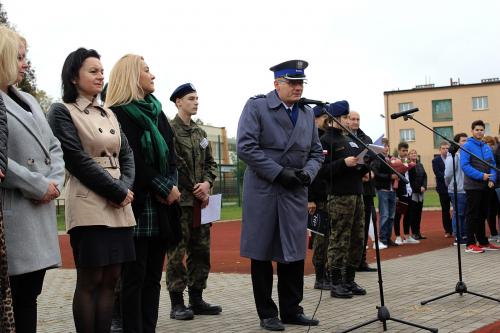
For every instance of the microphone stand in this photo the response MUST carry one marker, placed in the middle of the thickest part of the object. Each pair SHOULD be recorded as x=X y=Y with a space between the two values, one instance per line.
x=460 y=287
x=383 y=314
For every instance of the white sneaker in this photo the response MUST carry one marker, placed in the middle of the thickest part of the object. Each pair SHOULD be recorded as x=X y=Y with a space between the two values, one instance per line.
x=381 y=246
x=399 y=241
x=411 y=240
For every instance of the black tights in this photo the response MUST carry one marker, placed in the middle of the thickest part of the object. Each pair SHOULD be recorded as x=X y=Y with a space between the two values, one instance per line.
x=94 y=298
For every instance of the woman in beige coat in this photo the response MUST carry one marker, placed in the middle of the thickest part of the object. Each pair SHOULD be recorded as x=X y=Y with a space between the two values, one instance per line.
x=99 y=217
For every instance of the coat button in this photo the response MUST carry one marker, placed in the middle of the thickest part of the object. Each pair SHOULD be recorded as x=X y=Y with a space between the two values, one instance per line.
x=86 y=111
x=31 y=161
x=112 y=131
x=103 y=114
x=115 y=154
x=103 y=154
x=47 y=161
x=100 y=130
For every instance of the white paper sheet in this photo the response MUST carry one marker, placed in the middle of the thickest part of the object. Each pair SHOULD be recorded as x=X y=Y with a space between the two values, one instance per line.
x=211 y=213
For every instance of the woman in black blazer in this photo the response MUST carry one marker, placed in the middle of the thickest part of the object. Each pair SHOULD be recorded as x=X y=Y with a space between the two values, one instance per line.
x=155 y=205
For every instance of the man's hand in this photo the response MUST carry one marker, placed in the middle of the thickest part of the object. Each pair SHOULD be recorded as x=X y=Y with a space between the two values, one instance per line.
x=288 y=178
x=311 y=207
x=200 y=190
x=486 y=176
x=422 y=189
x=2 y=176
x=304 y=177
x=351 y=161
x=490 y=184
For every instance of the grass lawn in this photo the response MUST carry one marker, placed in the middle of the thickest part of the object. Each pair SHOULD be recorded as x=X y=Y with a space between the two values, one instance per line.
x=233 y=212
x=431 y=199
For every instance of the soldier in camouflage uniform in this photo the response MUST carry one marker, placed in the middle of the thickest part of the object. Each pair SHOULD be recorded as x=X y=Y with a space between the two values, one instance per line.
x=345 y=205
x=197 y=172
x=317 y=195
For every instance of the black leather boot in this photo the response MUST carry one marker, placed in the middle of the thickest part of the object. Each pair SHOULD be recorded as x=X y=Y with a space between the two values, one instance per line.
x=350 y=273
x=338 y=289
x=179 y=310
x=199 y=306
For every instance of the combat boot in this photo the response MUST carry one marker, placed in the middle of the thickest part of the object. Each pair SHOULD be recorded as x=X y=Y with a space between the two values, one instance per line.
x=179 y=310
x=350 y=273
x=338 y=289
x=320 y=277
x=199 y=306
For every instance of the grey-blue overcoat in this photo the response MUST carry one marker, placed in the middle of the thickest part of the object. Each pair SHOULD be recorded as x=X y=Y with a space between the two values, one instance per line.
x=35 y=159
x=275 y=218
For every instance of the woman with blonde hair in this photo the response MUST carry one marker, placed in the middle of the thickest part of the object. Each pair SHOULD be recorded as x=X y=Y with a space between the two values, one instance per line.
x=130 y=96
x=8 y=75
x=33 y=181
x=100 y=164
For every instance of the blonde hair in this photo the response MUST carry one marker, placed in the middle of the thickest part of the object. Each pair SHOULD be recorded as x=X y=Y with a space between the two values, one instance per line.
x=123 y=85
x=9 y=49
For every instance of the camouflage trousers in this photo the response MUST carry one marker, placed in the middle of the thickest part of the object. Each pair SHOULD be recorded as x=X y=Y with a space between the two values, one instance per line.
x=195 y=245
x=347 y=223
x=320 y=246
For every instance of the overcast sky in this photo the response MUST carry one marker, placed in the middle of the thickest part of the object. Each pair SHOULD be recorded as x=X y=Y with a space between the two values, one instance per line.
x=356 y=49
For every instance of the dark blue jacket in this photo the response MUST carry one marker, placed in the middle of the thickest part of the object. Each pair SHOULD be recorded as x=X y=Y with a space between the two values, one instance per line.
x=438 y=168
x=473 y=168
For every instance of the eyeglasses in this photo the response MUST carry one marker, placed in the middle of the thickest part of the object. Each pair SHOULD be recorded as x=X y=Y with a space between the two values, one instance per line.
x=293 y=82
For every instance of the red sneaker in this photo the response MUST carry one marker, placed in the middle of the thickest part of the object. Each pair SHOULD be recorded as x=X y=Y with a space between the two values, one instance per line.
x=490 y=247
x=474 y=249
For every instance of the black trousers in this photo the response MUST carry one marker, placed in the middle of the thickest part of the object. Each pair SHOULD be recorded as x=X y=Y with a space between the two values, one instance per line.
x=445 y=200
x=415 y=213
x=140 y=292
x=370 y=214
x=25 y=290
x=406 y=218
x=493 y=211
x=290 y=288
x=475 y=214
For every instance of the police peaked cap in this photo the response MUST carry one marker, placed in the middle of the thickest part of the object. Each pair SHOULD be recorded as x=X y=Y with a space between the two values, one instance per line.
x=291 y=70
x=182 y=91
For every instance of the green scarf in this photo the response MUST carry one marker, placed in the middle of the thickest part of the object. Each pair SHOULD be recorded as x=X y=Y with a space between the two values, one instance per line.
x=145 y=114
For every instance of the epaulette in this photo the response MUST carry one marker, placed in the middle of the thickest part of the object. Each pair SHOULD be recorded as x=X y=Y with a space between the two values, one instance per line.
x=258 y=96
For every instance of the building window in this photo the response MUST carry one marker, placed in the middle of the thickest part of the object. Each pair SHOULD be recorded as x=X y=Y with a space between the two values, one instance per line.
x=407 y=134
x=446 y=131
x=480 y=103
x=441 y=110
x=487 y=130
x=405 y=106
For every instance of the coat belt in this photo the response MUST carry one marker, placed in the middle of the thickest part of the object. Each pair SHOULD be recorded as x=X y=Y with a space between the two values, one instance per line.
x=107 y=162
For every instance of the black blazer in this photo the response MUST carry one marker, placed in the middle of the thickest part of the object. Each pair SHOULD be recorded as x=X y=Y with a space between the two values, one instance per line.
x=144 y=174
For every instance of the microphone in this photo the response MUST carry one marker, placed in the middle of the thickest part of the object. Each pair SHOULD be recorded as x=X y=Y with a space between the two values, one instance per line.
x=403 y=113
x=304 y=101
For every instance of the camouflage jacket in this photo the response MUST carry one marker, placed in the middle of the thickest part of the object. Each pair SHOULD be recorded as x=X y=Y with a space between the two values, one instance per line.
x=195 y=161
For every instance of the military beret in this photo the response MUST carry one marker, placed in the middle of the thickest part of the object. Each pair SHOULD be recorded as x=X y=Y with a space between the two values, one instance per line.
x=319 y=110
x=337 y=109
x=291 y=70
x=182 y=91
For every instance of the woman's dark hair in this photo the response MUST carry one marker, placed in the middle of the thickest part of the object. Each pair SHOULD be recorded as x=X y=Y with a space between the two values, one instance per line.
x=70 y=70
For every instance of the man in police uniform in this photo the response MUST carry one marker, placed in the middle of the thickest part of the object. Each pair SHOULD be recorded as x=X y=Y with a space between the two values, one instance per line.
x=345 y=204
x=197 y=172
x=278 y=140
